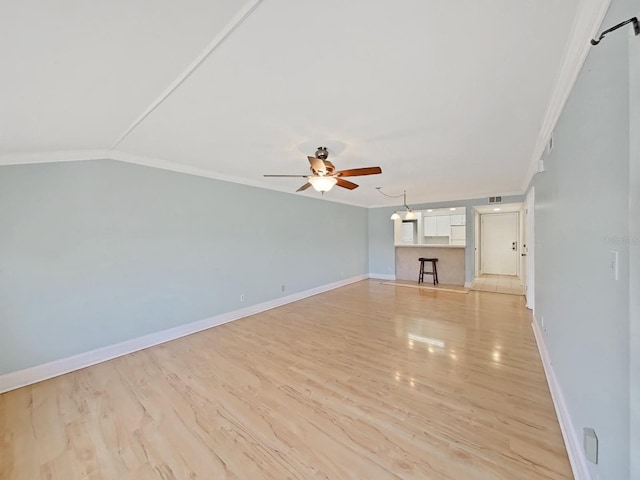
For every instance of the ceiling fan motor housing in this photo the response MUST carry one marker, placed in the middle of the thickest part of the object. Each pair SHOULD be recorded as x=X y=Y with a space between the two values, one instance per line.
x=322 y=153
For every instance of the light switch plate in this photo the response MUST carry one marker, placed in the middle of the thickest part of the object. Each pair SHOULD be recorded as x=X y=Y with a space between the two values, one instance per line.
x=591 y=444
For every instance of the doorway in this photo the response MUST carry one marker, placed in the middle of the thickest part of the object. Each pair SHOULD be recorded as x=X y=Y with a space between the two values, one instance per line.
x=499 y=252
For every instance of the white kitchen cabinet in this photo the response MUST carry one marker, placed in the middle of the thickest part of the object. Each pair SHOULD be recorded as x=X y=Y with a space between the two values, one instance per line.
x=430 y=227
x=437 y=226
x=408 y=229
x=458 y=219
x=458 y=235
x=443 y=225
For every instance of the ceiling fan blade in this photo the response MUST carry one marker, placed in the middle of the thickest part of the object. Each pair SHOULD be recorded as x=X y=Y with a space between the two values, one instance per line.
x=317 y=165
x=296 y=176
x=346 y=184
x=356 y=172
x=303 y=187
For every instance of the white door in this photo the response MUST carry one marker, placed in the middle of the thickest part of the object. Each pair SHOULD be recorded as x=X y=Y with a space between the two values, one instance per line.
x=499 y=252
x=523 y=244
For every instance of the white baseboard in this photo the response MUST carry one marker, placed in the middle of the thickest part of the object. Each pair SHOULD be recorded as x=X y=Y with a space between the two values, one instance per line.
x=468 y=284
x=573 y=444
x=38 y=373
x=382 y=276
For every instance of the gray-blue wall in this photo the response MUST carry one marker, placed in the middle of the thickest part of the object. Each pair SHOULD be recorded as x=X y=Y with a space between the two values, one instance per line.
x=634 y=246
x=93 y=253
x=581 y=214
x=381 y=242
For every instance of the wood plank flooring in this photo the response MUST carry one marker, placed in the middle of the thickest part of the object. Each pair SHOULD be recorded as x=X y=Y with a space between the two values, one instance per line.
x=369 y=381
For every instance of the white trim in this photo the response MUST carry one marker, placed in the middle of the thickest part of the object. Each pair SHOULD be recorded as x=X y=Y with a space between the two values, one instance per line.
x=572 y=442
x=52 y=156
x=153 y=162
x=590 y=15
x=468 y=284
x=121 y=156
x=530 y=232
x=38 y=373
x=382 y=276
x=419 y=199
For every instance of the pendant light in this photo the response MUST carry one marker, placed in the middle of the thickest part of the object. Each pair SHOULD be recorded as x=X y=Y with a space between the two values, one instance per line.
x=409 y=214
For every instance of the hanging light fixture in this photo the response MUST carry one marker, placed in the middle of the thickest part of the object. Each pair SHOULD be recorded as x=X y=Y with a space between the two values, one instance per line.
x=323 y=183
x=409 y=215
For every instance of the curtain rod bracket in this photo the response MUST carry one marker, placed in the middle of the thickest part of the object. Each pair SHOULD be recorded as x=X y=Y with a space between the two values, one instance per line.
x=636 y=29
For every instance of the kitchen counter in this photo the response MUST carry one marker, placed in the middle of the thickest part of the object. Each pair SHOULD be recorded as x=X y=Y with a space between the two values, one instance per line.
x=451 y=262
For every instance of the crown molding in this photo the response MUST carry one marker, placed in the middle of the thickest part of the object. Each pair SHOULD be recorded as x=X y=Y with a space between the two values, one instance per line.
x=126 y=157
x=153 y=162
x=588 y=19
x=202 y=172
x=24 y=158
x=416 y=201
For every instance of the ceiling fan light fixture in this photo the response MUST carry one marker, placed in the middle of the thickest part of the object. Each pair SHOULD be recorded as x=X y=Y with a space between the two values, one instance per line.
x=410 y=215
x=395 y=216
x=322 y=183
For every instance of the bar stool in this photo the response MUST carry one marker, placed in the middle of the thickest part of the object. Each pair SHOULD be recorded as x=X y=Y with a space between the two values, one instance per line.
x=434 y=270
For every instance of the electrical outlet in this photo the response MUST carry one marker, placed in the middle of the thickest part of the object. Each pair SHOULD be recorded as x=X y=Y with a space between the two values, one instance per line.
x=242 y=297
x=542 y=321
x=283 y=288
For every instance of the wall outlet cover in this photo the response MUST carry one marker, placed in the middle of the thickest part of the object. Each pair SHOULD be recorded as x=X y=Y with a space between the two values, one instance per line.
x=590 y=444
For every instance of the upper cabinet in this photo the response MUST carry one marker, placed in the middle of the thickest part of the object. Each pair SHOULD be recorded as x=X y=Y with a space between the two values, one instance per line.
x=458 y=219
x=444 y=226
x=437 y=226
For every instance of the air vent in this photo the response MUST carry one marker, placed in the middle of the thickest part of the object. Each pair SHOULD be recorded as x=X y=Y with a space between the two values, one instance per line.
x=495 y=199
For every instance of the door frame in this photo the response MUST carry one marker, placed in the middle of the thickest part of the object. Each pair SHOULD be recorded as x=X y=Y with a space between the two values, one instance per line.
x=476 y=243
x=523 y=244
x=529 y=285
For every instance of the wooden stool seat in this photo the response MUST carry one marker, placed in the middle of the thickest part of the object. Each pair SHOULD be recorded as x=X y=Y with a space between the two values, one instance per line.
x=434 y=270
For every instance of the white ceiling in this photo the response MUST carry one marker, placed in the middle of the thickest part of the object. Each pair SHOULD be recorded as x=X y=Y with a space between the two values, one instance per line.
x=449 y=98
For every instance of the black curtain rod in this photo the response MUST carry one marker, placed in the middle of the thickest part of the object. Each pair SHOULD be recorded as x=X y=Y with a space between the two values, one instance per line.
x=636 y=28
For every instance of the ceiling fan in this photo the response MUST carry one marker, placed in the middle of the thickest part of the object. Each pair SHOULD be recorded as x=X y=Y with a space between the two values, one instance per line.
x=324 y=175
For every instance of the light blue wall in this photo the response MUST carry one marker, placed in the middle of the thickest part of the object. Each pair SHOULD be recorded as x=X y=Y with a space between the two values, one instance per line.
x=93 y=253
x=381 y=241
x=634 y=246
x=581 y=214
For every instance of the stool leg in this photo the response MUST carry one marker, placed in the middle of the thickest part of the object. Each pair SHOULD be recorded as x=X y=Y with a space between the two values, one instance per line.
x=435 y=273
x=421 y=274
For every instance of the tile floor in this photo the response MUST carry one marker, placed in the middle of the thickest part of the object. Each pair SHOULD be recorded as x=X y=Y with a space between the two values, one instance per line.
x=510 y=284
x=428 y=286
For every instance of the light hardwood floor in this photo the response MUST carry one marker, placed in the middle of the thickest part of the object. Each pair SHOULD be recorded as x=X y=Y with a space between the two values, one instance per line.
x=369 y=381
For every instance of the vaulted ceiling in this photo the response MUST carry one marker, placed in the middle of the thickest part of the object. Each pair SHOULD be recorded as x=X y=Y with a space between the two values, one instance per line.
x=452 y=99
